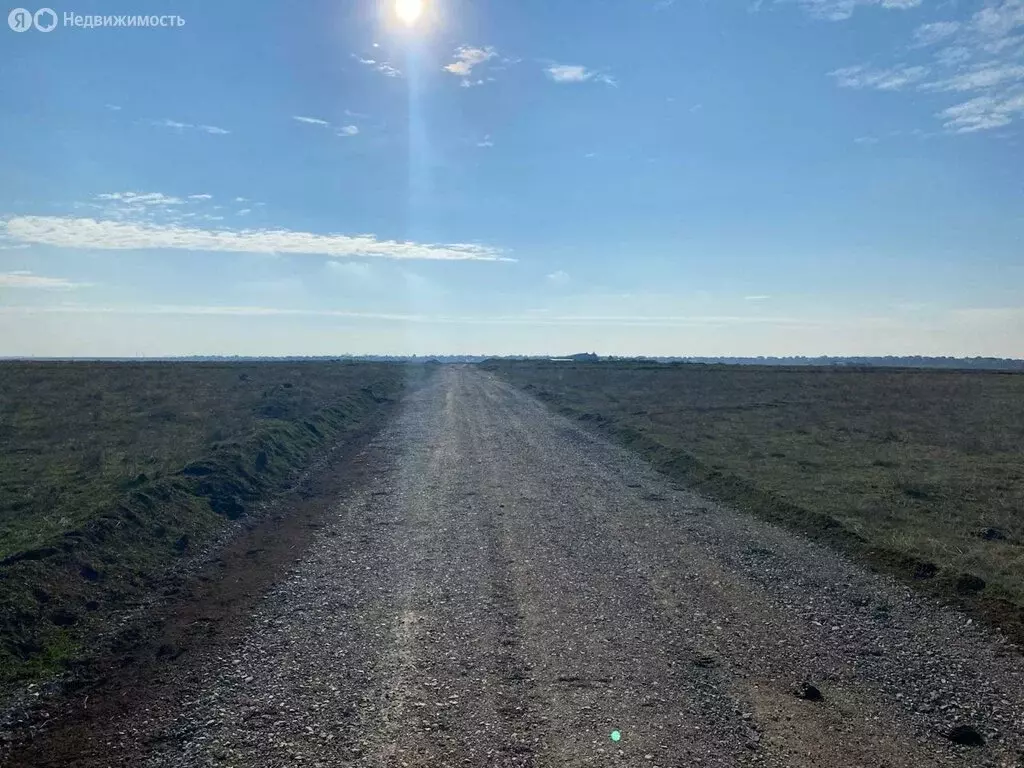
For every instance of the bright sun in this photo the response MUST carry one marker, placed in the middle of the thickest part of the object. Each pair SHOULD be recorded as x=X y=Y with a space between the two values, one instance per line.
x=408 y=10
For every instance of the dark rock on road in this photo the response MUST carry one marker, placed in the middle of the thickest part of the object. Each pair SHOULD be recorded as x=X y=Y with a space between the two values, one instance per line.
x=810 y=692
x=966 y=735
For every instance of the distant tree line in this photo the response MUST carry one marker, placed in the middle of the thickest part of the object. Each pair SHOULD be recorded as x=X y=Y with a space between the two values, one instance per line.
x=889 y=361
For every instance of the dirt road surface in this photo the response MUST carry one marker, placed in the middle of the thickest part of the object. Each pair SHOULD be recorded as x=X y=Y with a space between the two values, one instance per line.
x=505 y=589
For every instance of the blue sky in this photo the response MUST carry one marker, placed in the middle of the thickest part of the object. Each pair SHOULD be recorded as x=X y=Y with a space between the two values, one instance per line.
x=625 y=176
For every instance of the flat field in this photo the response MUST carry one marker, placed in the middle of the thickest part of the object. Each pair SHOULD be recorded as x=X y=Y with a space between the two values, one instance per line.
x=111 y=472
x=919 y=472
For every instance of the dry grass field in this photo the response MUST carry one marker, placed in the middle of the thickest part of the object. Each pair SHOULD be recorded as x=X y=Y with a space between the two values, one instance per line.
x=919 y=472
x=111 y=472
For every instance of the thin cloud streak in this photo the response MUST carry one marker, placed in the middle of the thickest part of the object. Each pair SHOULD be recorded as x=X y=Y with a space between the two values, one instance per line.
x=892 y=79
x=23 y=278
x=341 y=130
x=144 y=198
x=982 y=113
x=589 y=320
x=84 y=233
x=177 y=126
x=381 y=66
x=576 y=73
x=840 y=10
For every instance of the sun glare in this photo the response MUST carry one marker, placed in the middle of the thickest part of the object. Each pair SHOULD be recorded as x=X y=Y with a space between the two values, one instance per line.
x=408 y=10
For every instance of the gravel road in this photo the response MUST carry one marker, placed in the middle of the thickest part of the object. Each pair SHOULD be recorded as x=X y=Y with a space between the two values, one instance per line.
x=509 y=590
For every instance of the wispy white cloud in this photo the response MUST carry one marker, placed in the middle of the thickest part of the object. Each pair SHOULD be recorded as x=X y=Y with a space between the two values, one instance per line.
x=466 y=58
x=185 y=309
x=341 y=130
x=540 y=318
x=892 y=79
x=929 y=34
x=167 y=123
x=380 y=66
x=980 y=78
x=981 y=57
x=178 y=126
x=145 y=206
x=576 y=73
x=141 y=198
x=865 y=140
x=558 y=277
x=758 y=297
x=840 y=10
x=993 y=40
x=568 y=73
x=982 y=113
x=999 y=19
x=84 y=233
x=25 y=279
x=953 y=55
x=113 y=107
x=485 y=141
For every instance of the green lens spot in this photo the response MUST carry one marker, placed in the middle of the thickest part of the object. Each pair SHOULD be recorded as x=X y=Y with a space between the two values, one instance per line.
x=616 y=735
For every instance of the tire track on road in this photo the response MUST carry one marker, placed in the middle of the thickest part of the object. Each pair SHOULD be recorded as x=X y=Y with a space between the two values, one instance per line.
x=603 y=656
x=456 y=696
